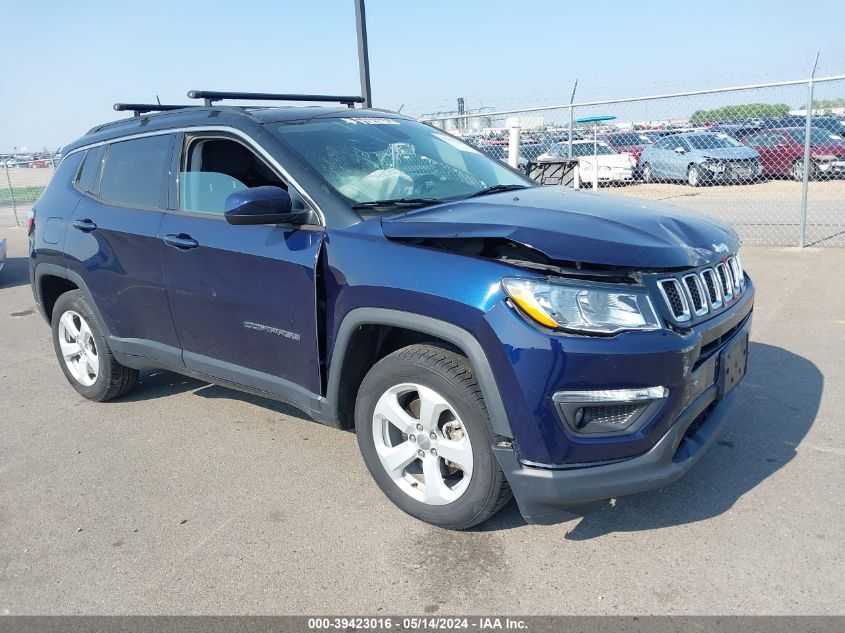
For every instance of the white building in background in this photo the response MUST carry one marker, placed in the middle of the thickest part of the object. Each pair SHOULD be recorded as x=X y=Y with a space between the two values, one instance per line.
x=524 y=122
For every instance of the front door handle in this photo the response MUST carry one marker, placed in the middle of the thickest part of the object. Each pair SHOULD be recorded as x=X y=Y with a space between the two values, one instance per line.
x=86 y=225
x=183 y=241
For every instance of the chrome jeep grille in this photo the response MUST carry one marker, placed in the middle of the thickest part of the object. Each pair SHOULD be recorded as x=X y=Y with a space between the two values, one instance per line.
x=695 y=294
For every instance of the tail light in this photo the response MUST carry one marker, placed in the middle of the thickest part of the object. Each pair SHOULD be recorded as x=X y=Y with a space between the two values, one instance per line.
x=30 y=222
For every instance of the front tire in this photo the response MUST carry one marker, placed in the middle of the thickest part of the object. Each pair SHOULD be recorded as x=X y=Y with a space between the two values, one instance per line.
x=84 y=355
x=694 y=176
x=425 y=436
x=648 y=173
x=797 y=170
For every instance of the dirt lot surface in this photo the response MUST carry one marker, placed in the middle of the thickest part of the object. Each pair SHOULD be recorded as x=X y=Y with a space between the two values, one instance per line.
x=189 y=498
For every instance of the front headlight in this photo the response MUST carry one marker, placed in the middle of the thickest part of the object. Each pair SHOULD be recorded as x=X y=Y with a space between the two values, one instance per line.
x=582 y=308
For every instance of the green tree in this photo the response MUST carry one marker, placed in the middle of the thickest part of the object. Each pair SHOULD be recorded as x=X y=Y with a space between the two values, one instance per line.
x=746 y=111
x=821 y=106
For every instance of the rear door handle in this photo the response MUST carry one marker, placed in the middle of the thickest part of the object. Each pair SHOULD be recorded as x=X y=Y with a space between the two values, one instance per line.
x=86 y=225
x=182 y=241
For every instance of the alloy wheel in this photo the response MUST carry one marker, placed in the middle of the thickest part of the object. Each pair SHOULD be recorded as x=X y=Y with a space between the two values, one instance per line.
x=693 y=176
x=422 y=444
x=79 y=350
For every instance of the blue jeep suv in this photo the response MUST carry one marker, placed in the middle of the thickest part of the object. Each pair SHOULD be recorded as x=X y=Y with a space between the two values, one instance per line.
x=484 y=336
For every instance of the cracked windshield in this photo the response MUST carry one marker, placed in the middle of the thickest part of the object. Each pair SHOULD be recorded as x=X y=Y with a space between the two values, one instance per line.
x=375 y=161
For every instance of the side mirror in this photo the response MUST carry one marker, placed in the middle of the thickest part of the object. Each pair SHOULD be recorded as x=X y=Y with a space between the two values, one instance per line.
x=261 y=205
x=680 y=150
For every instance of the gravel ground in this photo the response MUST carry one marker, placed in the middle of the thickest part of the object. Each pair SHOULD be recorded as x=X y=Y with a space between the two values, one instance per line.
x=190 y=498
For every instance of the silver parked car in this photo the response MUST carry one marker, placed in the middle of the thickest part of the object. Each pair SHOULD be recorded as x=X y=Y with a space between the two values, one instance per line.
x=700 y=158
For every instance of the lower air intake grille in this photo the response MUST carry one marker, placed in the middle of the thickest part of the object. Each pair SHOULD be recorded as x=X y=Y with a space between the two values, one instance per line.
x=614 y=414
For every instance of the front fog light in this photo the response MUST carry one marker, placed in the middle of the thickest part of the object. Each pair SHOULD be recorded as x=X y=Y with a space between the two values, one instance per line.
x=608 y=412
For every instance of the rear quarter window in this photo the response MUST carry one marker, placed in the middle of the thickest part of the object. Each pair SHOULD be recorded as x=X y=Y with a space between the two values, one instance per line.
x=89 y=175
x=135 y=172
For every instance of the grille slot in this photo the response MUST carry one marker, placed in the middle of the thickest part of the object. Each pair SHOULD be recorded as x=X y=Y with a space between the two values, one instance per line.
x=674 y=296
x=695 y=291
x=725 y=281
x=714 y=292
x=736 y=273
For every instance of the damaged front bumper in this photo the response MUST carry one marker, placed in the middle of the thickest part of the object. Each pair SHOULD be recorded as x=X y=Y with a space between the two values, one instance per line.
x=548 y=495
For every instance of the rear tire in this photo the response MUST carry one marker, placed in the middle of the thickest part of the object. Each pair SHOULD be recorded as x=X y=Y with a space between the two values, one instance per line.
x=444 y=473
x=648 y=174
x=79 y=340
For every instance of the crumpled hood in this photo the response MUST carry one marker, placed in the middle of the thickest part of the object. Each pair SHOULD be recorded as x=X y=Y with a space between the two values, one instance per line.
x=570 y=225
x=736 y=153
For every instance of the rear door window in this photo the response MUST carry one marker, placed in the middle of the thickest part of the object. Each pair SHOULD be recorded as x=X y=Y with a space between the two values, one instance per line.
x=136 y=172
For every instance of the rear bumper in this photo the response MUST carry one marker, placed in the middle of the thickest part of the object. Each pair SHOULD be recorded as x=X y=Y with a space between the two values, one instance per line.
x=549 y=496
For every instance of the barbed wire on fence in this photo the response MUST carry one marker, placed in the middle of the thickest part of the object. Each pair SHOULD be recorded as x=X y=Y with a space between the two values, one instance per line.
x=745 y=154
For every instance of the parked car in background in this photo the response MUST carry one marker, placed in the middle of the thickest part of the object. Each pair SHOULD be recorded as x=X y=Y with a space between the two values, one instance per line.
x=611 y=166
x=631 y=143
x=499 y=151
x=829 y=123
x=782 y=152
x=700 y=158
x=736 y=130
x=39 y=162
x=2 y=254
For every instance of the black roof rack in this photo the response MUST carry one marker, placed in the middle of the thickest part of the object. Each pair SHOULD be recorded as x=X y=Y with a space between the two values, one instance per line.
x=211 y=96
x=141 y=108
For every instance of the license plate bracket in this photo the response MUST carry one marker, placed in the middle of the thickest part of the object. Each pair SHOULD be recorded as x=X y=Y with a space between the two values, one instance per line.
x=733 y=363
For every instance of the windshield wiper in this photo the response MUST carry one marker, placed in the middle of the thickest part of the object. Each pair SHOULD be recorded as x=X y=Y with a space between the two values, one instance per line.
x=404 y=203
x=497 y=189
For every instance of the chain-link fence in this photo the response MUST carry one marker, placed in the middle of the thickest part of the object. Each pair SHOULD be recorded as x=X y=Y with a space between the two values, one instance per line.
x=749 y=155
x=22 y=180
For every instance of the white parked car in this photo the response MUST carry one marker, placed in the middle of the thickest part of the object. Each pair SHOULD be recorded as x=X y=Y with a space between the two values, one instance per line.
x=613 y=166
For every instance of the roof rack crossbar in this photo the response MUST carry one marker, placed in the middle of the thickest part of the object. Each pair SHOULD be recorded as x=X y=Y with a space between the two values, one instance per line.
x=210 y=96
x=141 y=108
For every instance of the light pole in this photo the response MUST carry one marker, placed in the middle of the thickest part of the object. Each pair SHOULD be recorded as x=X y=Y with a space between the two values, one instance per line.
x=363 y=53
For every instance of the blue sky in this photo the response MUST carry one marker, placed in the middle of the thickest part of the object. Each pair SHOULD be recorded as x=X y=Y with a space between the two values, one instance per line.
x=66 y=63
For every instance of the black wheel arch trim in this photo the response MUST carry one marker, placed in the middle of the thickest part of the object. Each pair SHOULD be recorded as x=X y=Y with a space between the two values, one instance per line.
x=45 y=269
x=454 y=334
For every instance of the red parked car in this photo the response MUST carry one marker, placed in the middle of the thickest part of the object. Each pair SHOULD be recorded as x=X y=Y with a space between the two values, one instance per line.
x=631 y=143
x=782 y=152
